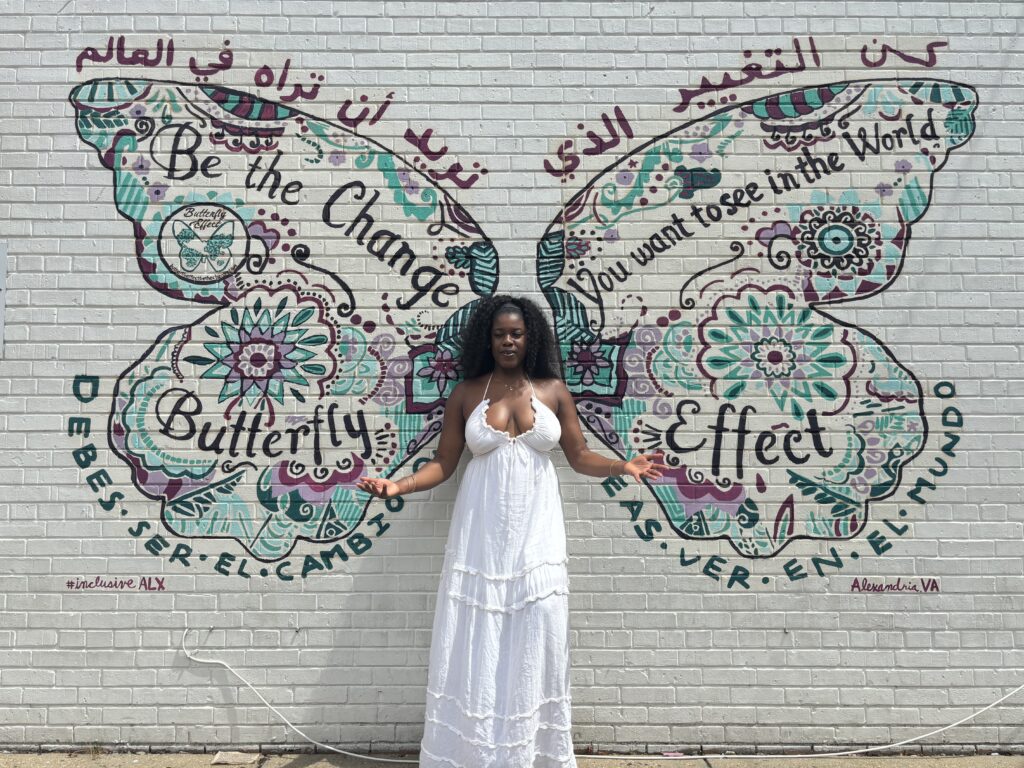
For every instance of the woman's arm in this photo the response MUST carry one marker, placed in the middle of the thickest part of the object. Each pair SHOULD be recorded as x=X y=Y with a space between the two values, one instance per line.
x=586 y=461
x=439 y=468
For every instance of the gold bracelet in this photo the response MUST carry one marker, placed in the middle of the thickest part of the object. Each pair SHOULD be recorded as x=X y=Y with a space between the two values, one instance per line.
x=413 y=479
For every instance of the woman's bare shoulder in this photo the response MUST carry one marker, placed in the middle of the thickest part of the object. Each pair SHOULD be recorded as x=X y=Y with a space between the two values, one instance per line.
x=553 y=390
x=468 y=390
x=550 y=385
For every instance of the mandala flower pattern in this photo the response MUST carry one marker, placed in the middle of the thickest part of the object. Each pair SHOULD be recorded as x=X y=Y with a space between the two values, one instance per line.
x=774 y=357
x=759 y=341
x=430 y=377
x=838 y=240
x=844 y=244
x=261 y=354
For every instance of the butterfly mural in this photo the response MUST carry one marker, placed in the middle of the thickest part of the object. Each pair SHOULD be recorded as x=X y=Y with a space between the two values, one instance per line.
x=689 y=283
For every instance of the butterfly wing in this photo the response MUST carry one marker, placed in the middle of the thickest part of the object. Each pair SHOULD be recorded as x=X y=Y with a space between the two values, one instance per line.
x=188 y=256
x=218 y=246
x=336 y=277
x=690 y=282
x=183 y=234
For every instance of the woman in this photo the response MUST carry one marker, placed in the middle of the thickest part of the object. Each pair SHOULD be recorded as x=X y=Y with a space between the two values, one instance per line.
x=498 y=683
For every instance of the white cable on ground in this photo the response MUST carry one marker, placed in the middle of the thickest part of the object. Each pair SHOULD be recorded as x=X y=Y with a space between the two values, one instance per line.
x=844 y=753
x=275 y=710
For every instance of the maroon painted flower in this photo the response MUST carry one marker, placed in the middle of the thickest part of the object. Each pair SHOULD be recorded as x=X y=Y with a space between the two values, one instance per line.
x=442 y=369
x=587 y=361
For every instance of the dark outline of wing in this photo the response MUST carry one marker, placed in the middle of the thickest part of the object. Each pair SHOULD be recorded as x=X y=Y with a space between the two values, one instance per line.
x=558 y=226
x=297 y=252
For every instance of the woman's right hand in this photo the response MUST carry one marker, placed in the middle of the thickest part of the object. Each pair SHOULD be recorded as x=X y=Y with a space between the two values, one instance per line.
x=378 y=486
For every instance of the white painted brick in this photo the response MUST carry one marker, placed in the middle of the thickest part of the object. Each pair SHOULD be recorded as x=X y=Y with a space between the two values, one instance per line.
x=661 y=657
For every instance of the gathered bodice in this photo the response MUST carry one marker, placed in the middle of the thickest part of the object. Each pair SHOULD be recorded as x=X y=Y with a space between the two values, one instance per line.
x=543 y=436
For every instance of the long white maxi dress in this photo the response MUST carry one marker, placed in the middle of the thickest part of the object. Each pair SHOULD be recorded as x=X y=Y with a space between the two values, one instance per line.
x=498 y=681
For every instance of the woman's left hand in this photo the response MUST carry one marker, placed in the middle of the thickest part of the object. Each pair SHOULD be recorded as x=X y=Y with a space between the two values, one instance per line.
x=644 y=465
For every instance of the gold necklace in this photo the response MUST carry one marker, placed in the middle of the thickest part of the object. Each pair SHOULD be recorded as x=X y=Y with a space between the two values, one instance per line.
x=510 y=388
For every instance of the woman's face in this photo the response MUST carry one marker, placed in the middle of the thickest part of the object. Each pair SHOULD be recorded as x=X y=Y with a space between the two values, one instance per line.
x=508 y=340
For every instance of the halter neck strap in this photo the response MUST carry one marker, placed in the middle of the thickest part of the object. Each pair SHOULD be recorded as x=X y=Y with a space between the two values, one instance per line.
x=488 y=385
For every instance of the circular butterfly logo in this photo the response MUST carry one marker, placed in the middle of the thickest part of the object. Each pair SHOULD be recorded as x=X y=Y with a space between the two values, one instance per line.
x=204 y=242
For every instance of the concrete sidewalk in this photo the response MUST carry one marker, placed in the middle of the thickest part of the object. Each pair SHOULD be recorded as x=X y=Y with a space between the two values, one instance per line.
x=160 y=760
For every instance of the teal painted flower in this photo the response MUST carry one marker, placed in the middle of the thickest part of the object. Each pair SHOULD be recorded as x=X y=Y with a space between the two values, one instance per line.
x=758 y=341
x=260 y=352
x=674 y=359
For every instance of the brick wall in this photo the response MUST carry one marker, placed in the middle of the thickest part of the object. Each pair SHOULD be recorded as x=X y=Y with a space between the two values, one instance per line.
x=851 y=574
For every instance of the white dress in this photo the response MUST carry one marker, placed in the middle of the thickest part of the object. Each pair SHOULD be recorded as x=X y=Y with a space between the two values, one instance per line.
x=498 y=681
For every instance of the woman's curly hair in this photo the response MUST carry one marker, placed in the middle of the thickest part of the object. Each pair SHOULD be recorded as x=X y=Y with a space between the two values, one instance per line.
x=542 y=359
